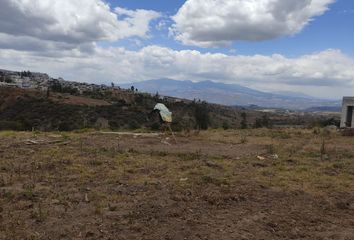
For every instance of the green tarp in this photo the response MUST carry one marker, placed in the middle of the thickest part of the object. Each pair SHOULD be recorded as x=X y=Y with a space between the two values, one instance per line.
x=165 y=114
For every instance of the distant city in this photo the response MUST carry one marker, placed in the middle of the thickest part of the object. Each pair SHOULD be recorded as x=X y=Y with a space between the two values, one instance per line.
x=43 y=82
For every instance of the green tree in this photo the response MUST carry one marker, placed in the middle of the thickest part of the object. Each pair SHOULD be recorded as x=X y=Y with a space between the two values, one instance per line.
x=263 y=122
x=226 y=125
x=8 y=80
x=202 y=115
x=244 y=120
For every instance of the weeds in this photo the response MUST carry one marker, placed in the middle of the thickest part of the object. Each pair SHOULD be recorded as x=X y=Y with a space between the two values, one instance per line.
x=280 y=135
x=189 y=156
x=243 y=139
x=121 y=182
x=8 y=133
x=95 y=162
x=270 y=149
x=159 y=153
x=84 y=130
x=207 y=179
x=38 y=213
x=323 y=149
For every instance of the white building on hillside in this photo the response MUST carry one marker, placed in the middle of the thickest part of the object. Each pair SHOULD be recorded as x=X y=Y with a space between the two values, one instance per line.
x=347 y=119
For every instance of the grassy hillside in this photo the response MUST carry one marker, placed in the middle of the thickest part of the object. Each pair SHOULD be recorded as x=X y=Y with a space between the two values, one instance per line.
x=122 y=109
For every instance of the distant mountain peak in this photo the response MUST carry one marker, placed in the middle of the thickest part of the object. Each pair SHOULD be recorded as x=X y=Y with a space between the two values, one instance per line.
x=294 y=94
x=230 y=94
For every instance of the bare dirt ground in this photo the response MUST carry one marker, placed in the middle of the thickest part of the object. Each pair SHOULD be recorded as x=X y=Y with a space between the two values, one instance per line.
x=249 y=184
x=77 y=100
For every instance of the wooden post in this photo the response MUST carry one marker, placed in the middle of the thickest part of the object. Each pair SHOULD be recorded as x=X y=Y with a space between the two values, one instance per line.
x=169 y=126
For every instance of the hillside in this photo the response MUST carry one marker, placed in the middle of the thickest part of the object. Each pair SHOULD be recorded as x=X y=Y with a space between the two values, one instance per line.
x=231 y=94
x=116 y=109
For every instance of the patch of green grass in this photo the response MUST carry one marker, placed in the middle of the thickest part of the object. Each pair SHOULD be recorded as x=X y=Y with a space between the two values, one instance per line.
x=141 y=130
x=280 y=135
x=84 y=130
x=189 y=156
x=8 y=195
x=208 y=179
x=8 y=133
x=65 y=136
x=243 y=139
x=95 y=162
x=159 y=153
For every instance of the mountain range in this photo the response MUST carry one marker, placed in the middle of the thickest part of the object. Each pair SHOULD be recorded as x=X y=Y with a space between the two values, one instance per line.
x=232 y=94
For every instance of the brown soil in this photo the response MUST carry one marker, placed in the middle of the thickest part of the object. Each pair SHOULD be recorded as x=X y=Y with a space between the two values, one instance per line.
x=208 y=186
x=77 y=100
x=9 y=96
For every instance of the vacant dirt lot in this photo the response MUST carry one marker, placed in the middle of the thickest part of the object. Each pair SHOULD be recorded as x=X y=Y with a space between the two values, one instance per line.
x=249 y=184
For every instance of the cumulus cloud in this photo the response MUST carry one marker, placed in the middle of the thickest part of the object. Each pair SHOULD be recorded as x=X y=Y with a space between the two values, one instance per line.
x=210 y=23
x=329 y=69
x=60 y=38
x=136 y=22
x=69 y=23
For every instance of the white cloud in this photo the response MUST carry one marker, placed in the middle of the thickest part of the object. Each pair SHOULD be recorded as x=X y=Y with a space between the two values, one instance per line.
x=331 y=69
x=69 y=23
x=136 y=22
x=59 y=37
x=210 y=23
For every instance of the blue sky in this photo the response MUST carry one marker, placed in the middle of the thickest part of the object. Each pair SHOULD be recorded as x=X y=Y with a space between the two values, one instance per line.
x=270 y=45
x=169 y=7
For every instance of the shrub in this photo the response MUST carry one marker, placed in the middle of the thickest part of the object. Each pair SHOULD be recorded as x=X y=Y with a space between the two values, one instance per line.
x=133 y=124
x=11 y=125
x=263 y=122
x=328 y=122
x=202 y=116
x=243 y=120
x=226 y=125
x=243 y=139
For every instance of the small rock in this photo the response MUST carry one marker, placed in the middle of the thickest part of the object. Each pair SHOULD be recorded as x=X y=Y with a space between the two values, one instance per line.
x=165 y=142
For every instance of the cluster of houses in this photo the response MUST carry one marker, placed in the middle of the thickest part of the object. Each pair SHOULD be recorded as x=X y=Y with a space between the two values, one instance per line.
x=42 y=81
x=80 y=87
x=26 y=80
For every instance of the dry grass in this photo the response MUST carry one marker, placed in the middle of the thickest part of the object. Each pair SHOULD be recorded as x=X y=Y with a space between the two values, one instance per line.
x=108 y=187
